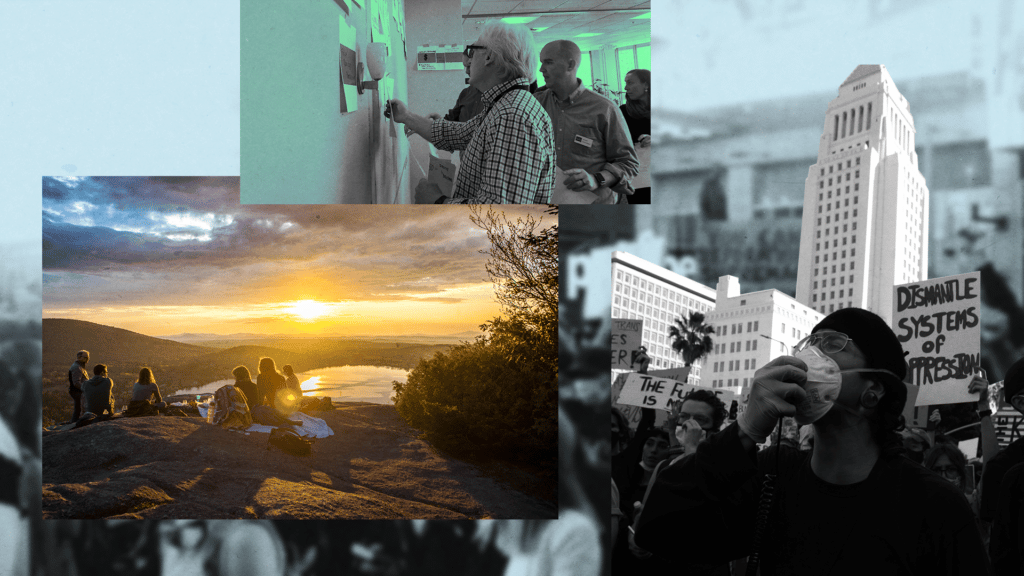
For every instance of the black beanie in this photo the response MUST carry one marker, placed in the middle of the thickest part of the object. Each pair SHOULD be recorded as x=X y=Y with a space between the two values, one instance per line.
x=876 y=340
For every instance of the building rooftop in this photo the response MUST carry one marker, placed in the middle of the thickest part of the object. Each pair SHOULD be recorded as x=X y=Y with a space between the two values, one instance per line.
x=862 y=71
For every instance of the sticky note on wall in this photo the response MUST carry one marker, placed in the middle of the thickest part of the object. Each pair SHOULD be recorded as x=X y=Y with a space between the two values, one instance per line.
x=348 y=77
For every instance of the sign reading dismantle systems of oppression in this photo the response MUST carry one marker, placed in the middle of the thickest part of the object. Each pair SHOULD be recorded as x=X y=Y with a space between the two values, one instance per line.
x=939 y=323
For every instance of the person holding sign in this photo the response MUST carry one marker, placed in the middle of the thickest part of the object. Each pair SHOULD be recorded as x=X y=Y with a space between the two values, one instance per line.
x=853 y=505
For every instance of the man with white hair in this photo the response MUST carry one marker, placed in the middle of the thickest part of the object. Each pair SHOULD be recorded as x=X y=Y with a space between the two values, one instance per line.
x=594 y=147
x=509 y=147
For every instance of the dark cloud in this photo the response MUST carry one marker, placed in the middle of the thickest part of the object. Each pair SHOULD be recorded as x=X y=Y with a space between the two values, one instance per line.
x=174 y=240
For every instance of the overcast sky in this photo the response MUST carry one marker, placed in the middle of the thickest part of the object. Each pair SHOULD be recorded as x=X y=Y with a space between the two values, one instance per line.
x=163 y=256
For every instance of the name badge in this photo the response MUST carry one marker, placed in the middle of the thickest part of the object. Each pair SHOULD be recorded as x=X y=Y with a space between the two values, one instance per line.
x=583 y=140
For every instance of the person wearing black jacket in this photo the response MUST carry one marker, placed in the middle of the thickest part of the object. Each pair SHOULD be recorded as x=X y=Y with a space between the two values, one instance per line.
x=853 y=505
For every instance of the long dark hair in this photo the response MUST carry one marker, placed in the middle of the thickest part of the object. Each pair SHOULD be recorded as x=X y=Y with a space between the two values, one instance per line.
x=640 y=108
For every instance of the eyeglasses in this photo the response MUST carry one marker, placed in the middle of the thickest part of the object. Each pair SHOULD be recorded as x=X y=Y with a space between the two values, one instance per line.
x=469 y=50
x=947 y=471
x=827 y=342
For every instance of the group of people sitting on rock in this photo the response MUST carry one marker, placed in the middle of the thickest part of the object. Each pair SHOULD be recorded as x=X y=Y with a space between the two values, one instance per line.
x=273 y=396
x=269 y=400
x=98 y=392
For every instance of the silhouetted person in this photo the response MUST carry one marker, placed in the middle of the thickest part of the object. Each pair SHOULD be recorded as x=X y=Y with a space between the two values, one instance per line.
x=99 y=396
x=77 y=376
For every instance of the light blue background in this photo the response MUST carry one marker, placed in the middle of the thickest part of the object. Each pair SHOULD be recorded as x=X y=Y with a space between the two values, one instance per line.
x=113 y=88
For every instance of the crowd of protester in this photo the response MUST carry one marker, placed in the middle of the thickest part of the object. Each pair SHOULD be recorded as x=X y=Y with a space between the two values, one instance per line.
x=819 y=474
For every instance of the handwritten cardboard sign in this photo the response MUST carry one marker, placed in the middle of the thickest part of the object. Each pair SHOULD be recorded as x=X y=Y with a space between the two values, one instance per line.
x=627 y=336
x=660 y=393
x=939 y=323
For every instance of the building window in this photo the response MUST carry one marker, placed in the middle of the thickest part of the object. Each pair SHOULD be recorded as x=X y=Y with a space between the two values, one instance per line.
x=851 y=265
x=753 y=345
x=829 y=169
x=854 y=225
x=855 y=199
x=847 y=176
x=814 y=298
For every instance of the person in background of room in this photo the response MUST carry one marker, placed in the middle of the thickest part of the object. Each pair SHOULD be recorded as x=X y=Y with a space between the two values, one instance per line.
x=99 y=395
x=637 y=112
x=143 y=392
x=509 y=148
x=245 y=385
x=469 y=102
x=594 y=148
x=291 y=380
x=77 y=376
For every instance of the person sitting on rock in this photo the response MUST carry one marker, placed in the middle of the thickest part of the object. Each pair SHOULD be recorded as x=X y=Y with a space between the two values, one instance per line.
x=245 y=385
x=99 y=395
x=273 y=397
x=144 y=390
x=291 y=380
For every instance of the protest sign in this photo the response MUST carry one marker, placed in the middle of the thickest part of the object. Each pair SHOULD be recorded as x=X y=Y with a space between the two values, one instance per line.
x=939 y=323
x=626 y=339
x=681 y=373
x=660 y=393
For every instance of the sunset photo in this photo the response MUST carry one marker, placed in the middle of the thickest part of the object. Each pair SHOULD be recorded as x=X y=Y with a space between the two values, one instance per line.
x=306 y=330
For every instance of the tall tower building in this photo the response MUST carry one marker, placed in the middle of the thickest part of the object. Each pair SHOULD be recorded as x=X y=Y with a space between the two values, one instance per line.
x=865 y=220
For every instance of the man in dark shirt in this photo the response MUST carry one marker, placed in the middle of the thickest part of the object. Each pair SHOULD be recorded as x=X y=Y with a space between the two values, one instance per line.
x=853 y=505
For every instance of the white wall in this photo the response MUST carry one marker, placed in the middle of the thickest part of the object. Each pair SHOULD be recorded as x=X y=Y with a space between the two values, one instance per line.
x=431 y=22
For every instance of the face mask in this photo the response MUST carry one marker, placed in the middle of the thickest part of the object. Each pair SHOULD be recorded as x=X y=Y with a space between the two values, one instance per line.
x=824 y=381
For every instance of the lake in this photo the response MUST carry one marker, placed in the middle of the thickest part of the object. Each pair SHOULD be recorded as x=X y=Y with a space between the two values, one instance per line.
x=341 y=383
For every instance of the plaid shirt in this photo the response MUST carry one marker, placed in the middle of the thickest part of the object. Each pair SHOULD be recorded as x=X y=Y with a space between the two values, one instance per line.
x=509 y=148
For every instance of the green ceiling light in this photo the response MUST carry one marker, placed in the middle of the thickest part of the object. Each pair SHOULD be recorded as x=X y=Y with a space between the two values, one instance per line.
x=519 y=19
x=588 y=34
x=645 y=16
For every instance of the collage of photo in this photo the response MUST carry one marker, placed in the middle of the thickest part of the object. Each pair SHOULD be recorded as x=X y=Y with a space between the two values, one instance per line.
x=326 y=288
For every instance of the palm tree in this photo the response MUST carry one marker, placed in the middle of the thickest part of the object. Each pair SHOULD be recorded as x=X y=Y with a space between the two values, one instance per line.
x=691 y=338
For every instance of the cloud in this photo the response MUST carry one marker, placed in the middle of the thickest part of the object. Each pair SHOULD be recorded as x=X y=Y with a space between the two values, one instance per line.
x=176 y=240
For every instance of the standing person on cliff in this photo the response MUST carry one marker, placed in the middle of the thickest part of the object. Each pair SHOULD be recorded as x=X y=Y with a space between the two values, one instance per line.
x=77 y=376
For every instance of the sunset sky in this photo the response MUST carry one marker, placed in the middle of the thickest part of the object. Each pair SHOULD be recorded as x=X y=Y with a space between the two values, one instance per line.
x=164 y=256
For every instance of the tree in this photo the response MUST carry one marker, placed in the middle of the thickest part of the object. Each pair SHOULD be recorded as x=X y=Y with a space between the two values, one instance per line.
x=523 y=264
x=691 y=338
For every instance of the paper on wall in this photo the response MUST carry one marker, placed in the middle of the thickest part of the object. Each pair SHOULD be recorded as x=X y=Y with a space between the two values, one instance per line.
x=347 y=66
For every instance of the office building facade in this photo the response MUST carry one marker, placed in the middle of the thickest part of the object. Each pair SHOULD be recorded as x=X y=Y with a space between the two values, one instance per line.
x=642 y=290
